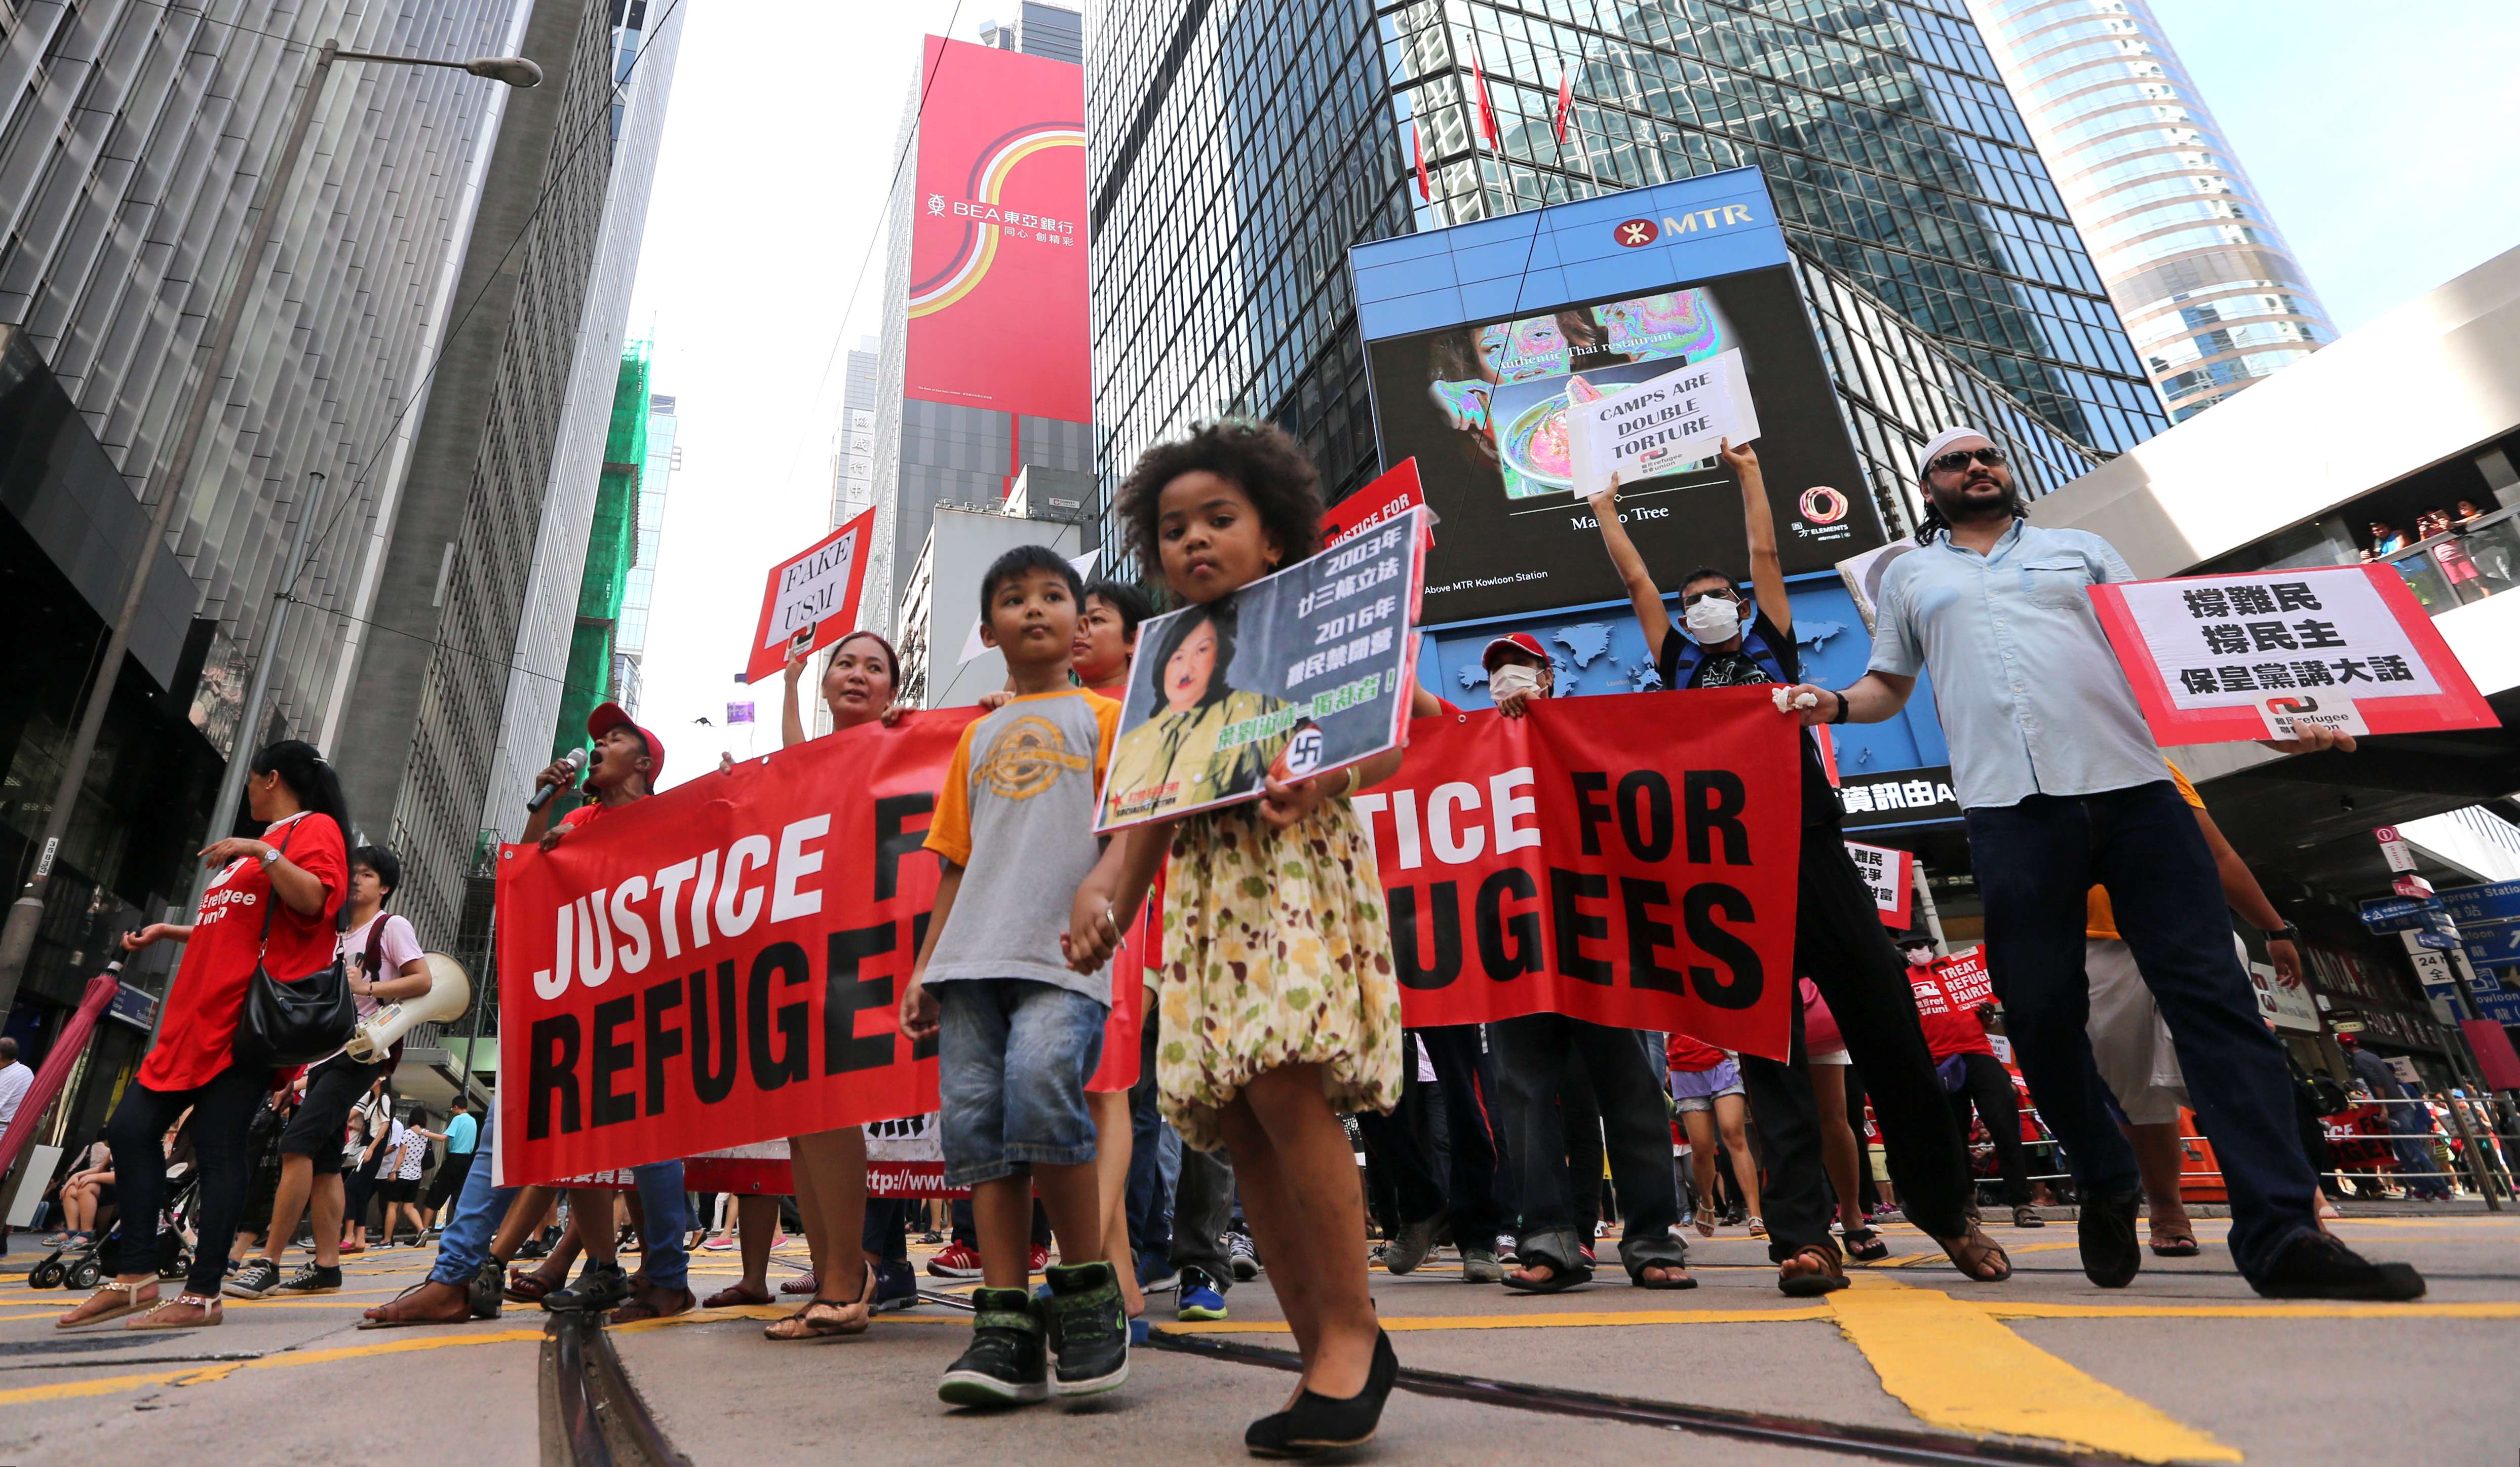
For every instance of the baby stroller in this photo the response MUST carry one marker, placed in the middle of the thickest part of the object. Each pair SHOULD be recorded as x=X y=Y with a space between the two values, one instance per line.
x=89 y=1263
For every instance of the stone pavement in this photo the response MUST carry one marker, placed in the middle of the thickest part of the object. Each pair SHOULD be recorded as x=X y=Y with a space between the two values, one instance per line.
x=2185 y=1366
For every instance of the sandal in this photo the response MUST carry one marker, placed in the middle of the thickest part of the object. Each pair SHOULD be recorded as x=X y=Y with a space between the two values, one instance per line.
x=1979 y=1257
x=1758 y=1229
x=530 y=1285
x=1559 y=1279
x=1815 y=1270
x=76 y=1319
x=1865 y=1245
x=1705 y=1221
x=823 y=1318
x=2175 y=1243
x=1675 y=1276
x=382 y=1315
x=647 y=1306
x=735 y=1295
x=211 y=1313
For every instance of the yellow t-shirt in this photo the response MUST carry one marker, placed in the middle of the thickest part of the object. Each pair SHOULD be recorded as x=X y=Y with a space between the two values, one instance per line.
x=2099 y=921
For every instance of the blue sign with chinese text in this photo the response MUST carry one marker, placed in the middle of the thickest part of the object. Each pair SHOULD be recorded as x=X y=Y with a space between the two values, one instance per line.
x=2493 y=902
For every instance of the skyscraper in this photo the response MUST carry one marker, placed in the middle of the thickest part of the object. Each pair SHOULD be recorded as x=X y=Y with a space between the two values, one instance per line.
x=613 y=545
x=853 y=447
x=639 y=591
x=984 y=369
x=134 y=137
x=2191 y=256
x=447 y=722
x=1238 y=152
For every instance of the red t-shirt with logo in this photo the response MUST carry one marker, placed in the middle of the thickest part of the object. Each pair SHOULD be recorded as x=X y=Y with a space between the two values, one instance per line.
x=197 y=1040
x=1948 y=994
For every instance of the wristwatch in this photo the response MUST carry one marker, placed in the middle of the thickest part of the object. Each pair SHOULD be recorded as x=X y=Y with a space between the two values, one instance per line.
x=1844 y=708
x=269 y=855
x=2287 y=933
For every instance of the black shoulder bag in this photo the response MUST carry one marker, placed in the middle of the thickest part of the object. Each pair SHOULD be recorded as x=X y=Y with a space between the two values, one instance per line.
x=292 y=1023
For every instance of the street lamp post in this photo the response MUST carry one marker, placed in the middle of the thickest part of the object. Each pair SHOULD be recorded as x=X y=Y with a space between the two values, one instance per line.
x=17 y=938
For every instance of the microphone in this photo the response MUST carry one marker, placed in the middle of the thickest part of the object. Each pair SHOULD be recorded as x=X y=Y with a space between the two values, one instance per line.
x=576 y=761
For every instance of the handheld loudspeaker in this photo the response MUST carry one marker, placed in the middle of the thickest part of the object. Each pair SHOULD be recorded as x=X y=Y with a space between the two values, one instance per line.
x=449 y=993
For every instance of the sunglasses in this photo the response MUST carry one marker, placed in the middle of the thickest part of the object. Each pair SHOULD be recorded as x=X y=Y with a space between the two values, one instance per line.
x=1720 y=593
x=1958 y=459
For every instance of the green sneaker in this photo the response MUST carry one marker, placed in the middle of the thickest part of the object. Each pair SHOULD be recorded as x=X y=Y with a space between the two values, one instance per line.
x=1007 y=1363
x=1088 y=1327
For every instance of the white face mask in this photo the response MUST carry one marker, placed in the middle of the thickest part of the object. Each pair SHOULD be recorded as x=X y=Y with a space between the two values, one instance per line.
x=1513 y=677
x=1713 y=619
x=1921 y=957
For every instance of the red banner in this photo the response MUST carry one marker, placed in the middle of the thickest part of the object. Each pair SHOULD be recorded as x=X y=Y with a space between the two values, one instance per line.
x=817 y=589
x=1627 y=859
x=1394 y=494
x=721 y=964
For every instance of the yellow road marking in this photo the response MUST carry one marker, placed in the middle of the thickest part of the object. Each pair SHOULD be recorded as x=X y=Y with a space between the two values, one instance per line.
x=1954 y=1366
x=2467 y=1311
x=1398 y=1323
x=108 y=1385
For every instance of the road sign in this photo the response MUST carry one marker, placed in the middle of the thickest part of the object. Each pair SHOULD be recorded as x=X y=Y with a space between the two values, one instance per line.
x=2408 y=884
x=2494 y=901
x=2491 y=945
x=2395 y=849
x=2399 y=913
x=2501 y=1005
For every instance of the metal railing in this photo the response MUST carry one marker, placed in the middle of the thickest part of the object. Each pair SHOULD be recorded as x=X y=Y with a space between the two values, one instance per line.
x=2468 y=563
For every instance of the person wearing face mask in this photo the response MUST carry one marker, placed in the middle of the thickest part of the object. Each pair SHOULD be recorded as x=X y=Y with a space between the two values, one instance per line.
x=1726 y=642
x=2063 y=787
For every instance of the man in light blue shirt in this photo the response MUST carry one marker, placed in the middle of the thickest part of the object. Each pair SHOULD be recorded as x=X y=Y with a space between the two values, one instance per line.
x=2063 y=787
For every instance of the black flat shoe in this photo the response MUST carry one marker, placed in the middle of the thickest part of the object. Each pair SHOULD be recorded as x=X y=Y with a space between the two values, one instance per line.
x=2314 y=1266
x=1318 y=1424
x=2112 y=1254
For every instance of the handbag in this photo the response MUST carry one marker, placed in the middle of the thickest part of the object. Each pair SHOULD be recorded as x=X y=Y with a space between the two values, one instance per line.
x=286 y=1023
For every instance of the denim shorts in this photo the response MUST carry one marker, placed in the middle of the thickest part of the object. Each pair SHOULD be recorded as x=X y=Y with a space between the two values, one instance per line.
x=1013 y=1058
x=1698 y=1090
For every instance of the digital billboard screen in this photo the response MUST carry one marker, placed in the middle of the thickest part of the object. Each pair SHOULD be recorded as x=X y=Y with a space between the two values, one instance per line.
x=997 y=249
x=1477 y=339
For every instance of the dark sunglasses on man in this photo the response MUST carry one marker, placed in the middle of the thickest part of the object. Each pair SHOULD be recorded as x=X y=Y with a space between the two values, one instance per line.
x=1958 y=459
x=1719 y=593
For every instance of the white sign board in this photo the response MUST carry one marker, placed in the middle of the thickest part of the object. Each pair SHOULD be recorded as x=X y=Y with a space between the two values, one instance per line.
x=1659 y=425
x=2284 y=1005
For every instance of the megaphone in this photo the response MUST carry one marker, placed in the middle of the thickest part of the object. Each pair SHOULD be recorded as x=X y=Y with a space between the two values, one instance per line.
x=449 y=993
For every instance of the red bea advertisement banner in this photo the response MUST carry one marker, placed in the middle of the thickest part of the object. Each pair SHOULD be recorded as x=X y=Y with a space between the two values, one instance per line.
x=817 y=587
x=1627 y=859
x=997 y=244
x=2220 y=658
x=720 y=964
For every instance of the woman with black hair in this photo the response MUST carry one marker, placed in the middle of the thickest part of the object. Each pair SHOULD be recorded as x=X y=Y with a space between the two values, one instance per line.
x=271 y=906
x=1171 y=762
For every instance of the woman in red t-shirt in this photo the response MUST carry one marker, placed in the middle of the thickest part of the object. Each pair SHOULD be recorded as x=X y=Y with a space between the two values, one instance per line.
x=298 y=859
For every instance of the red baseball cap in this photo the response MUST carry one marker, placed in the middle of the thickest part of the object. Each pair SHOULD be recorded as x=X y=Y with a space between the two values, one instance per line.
x=607 y=717
x=1519 y=642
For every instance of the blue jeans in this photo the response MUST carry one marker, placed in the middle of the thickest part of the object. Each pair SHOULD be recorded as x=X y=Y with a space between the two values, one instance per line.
x=2035 y=862
x=1013 y=1058
x=465 y=1244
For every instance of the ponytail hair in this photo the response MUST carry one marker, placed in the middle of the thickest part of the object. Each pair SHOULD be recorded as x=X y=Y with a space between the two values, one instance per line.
x=302 y=768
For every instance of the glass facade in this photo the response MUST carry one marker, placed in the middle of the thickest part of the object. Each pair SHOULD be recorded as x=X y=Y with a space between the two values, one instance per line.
x=2202 y=277
x=1238 y=151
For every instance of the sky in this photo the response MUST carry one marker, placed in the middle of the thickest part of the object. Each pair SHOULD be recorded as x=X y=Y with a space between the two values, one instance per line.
x=2381 y=146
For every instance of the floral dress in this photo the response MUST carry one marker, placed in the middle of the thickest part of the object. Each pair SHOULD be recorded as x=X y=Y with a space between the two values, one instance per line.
x=1275 y=953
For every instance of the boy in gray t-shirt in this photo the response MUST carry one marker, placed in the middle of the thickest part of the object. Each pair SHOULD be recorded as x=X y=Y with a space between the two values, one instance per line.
x=1018 y=1032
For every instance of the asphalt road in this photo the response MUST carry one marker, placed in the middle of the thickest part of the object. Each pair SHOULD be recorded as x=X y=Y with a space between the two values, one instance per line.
x=2185 y=1366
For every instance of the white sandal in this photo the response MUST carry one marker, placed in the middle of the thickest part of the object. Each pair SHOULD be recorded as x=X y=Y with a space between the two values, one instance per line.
x=129 y=1305
x=212 y=1313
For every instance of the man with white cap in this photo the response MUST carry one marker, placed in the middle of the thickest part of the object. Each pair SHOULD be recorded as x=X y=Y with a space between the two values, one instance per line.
x=2063 y=789
x=1722 y=640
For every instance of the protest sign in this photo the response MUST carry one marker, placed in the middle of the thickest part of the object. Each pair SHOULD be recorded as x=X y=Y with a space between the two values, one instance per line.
x=720 y=964
x=817 y=589
x=2226 y=657
x=1966 y=982
x=1297 y=674
x=1627 y=859
x=1891 y=875
x=1659 y=425
x=1392 y=495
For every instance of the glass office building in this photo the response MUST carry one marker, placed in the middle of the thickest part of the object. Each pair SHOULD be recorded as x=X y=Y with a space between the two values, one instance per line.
x=2201 y=276
x=1238 y=151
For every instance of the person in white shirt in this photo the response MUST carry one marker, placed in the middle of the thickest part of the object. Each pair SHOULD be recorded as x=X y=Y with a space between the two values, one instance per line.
x=15 y=1079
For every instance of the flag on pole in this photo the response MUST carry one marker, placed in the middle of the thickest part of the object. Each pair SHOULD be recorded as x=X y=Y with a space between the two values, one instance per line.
x=1565 y=104
x=1487 y=110
x=1418 y=155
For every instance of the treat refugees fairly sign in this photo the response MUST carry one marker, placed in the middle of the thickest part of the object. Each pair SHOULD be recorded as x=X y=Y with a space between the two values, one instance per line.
x=2224 y=657
x=1659 y=425
x=811 y=599
x=1297 y=674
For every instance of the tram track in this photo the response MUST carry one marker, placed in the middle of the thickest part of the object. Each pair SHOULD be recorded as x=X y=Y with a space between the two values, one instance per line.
x=592 y=1416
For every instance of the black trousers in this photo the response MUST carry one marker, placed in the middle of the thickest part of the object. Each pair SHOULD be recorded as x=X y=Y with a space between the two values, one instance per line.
x=1534 y=1055
x=1988 y=1090
x=222 y=1115
x=1458 y=1178
x=1841 y=944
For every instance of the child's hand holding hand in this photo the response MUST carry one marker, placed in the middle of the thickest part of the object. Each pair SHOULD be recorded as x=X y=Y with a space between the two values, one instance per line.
x=919 y=1011
x=1093 y=932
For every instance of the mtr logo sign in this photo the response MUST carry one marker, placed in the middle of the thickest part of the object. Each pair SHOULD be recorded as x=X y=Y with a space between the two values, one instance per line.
x=1635 y=234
